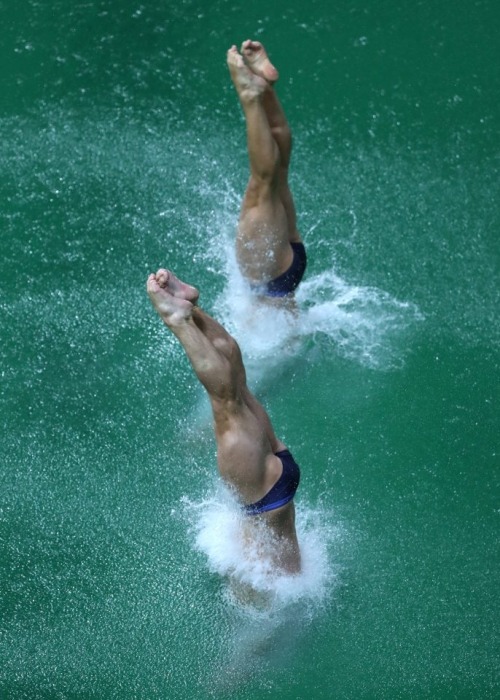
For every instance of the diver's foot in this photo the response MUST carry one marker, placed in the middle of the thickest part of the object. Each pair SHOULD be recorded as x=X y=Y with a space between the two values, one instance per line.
x=172 y=299
x=176 y=287
x=248 y=84
x=256 y=58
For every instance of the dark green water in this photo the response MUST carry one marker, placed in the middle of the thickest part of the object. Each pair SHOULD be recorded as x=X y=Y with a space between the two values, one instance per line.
x=122 y=148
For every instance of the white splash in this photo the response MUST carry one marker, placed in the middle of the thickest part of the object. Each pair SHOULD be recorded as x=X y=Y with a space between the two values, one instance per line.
x=361 y=323
x=216 y=525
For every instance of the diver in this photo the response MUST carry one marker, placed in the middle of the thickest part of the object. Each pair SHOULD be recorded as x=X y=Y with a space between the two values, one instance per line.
x=269 y=250
x=251 y=459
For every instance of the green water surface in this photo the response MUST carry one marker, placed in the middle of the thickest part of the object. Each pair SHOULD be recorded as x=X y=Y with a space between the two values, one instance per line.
x=122 y=149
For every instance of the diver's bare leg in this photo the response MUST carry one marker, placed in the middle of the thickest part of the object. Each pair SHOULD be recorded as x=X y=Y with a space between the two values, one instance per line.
x=255 y=56
x=226 y=345
x=262 y=148
x=211 y=365
x=213 y=352
x=262 y=244
x=283 y=137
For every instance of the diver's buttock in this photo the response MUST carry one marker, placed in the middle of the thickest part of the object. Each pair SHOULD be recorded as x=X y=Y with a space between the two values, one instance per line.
x=283 y=490
x=288 y=282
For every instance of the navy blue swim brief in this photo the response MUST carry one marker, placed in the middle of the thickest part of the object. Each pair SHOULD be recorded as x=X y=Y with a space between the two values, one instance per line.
x=288 y=282
x=283 y=490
